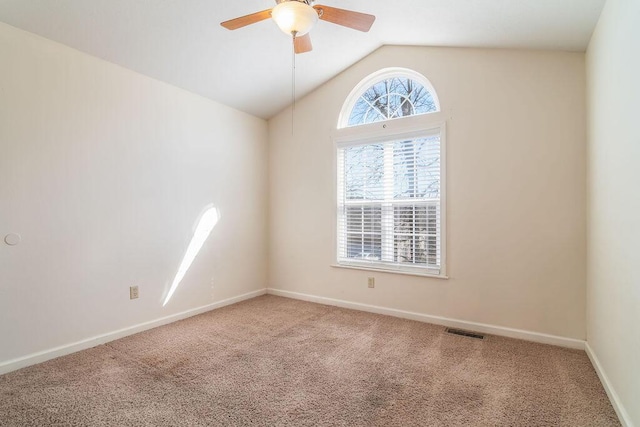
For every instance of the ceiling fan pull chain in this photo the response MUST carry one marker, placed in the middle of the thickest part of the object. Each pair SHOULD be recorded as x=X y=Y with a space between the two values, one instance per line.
x=293 y=77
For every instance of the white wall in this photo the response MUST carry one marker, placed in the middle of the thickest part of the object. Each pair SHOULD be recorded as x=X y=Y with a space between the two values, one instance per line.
x=613 y=291
x=104 y=173
x=516 y=191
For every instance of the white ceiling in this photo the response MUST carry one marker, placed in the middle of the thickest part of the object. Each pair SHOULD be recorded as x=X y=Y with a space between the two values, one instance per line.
x=182 y=43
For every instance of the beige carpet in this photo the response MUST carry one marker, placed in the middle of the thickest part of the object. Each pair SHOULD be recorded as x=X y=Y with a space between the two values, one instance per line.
x=279 y=362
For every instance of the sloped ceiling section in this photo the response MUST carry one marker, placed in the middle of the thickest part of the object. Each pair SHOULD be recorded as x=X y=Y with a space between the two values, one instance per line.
x=182 y=43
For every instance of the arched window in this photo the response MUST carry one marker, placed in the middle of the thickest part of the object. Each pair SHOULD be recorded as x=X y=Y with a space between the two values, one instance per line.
x=390 y=173
x=389 y=94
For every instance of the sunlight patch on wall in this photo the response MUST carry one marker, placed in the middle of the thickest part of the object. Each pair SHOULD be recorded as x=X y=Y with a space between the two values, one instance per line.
x=208 y=220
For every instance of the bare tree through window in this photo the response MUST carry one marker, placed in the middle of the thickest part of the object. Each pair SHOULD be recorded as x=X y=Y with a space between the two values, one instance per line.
x=390 y=99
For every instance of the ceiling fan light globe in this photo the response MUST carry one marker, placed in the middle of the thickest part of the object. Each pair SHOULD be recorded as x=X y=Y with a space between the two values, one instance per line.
x=294 y=17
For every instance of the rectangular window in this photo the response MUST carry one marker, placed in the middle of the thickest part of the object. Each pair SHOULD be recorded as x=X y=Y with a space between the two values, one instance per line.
x=389 y=204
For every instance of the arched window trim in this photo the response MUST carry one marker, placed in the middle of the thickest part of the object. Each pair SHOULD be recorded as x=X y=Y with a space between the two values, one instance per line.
x=374 y=78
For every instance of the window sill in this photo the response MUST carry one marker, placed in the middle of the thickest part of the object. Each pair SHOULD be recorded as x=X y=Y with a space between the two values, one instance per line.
x=384 y=270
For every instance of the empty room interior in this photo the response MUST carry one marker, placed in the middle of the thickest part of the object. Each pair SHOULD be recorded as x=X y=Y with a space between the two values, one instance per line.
x=331 y=213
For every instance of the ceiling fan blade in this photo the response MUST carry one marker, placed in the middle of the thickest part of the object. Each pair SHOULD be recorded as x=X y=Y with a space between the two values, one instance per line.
x=347 y=18
x=302 y=44
x=243 y=21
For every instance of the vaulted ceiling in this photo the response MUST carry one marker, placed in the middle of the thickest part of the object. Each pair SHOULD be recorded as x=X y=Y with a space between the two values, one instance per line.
x=182 y=43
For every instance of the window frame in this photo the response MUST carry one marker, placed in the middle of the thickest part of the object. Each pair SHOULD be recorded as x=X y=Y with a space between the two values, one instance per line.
x=400 y=128
x=379 y=76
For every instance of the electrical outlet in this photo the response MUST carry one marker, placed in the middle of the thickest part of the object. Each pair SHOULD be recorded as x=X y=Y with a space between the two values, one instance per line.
x=133 y=292
x=371 y=282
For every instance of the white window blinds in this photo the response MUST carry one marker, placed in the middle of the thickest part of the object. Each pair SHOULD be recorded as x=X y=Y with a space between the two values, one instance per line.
x=389 y=212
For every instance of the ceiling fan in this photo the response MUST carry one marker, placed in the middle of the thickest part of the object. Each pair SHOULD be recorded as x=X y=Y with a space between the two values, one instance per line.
x=297 y=17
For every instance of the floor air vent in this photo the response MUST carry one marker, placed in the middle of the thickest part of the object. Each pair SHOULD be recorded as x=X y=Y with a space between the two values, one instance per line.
x=465 y=333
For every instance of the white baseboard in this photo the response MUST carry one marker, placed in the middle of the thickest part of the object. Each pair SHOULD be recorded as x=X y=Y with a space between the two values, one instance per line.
x=437 y=320
x=43 y=356
x=623 y=415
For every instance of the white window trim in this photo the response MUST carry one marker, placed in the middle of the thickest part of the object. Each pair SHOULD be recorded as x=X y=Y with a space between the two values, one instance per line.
x=372 y=79
x=406 y=127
